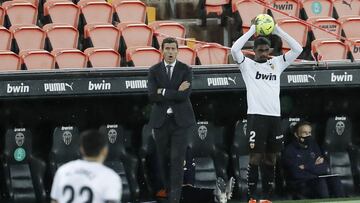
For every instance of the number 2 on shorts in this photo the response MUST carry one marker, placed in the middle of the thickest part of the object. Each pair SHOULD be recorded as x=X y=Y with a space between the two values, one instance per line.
x=252 y=136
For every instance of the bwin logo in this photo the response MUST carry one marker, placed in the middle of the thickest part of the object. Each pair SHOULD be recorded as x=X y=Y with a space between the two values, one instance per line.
x=17 y=89
x=136 y=84
x=99 y=86
x=270 y=76
x=283 y=7
x=342 y=78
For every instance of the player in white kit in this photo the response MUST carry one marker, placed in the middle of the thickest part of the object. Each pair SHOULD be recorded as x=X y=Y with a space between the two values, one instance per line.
x=262 y=80
x=87 y=180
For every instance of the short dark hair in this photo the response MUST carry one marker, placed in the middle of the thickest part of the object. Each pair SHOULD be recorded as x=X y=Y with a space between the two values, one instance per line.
x=261 y=41
x=169 y=40
x=92 y=142
x=300 y=124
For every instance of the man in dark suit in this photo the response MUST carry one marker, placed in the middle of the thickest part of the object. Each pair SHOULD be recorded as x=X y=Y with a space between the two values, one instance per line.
x=169 y=88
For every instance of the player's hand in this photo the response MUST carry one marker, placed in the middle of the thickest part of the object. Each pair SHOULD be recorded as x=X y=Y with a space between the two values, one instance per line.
x=319 y=160
x=302 y=167
x=159 y=90
x=184 y=86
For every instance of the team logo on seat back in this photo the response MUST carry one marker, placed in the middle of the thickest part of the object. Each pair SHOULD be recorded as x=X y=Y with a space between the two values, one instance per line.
x=67 y=137
x=340 y=127
x=202 y=131
x=112 y=135
x=19 y=139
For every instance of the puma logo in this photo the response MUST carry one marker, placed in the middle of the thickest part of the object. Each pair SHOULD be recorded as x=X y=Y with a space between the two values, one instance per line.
x=347 y=3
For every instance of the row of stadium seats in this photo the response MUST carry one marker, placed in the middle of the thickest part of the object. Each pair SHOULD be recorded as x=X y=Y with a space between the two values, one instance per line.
x=36 y=59
x=308 y=8
x=342 y=18
x=24 y=174
x=64 y=11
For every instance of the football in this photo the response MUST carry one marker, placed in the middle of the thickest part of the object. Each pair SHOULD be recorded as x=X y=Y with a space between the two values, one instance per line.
x=264 y=24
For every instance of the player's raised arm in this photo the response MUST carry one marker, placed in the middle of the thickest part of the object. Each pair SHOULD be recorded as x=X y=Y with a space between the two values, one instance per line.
x=296 y=48
x=238 y=45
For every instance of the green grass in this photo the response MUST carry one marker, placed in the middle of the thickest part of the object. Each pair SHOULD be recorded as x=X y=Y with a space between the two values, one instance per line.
x=338 y=200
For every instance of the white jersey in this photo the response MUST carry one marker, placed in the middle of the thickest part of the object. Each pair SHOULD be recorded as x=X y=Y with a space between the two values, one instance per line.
x=84 y=181
x=262 y=82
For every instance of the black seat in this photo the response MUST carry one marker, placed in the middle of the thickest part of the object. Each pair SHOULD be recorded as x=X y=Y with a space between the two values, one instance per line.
x=210 y=160
x=123 y=163
x=340 y=151
x=287 y=128
x=65 y=147
x=149 y=163
x=23 y=173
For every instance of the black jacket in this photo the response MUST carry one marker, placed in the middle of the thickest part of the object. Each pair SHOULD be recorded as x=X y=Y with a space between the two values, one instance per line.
x=179 y=101
x=294 y=155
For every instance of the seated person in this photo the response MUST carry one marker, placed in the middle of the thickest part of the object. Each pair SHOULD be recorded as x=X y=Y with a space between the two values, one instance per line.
x=307 y=170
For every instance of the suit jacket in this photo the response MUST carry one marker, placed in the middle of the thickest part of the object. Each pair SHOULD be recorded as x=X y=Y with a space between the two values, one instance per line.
x=179 y=101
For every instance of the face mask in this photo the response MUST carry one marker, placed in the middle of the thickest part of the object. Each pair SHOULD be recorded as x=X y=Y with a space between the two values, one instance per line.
x=305 y=140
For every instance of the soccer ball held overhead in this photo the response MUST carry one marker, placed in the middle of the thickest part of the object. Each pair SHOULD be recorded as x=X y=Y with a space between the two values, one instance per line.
x=264 y=24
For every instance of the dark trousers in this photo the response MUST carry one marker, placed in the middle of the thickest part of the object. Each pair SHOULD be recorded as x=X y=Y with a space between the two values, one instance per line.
x=192 y=194
x=321 y=188
x=171 y=142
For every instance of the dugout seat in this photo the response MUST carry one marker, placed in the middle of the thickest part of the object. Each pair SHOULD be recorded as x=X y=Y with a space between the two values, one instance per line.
x=65 y=147
x=19 y=13
x=149 y=161
x=163 y=29
x=345 y=8
x=340 y=151
x=64 y=12
x=329 y=50
x=37 y=59
x=95 y=12
x=134 y=35
x=122 y=162
x=9 y=61
x=295 y=29
x=23 y=173
x=130 y=11
x=142 y=56
x=287 y=128
x=350 y=26
x=210 y=160
x=318 y=9
x=211 y=53
x=69 y=58
x=21 y=34
x=186 y=55
x=291 y=7
x=102 y=57
x=101 y=36
x=6 y=38
x=60 y=36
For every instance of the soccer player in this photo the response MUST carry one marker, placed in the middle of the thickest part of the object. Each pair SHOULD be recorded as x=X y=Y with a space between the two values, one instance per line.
x=87 y=180
x=262 y=80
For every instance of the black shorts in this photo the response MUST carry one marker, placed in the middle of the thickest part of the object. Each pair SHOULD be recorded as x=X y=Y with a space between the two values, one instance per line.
x=264 y=133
